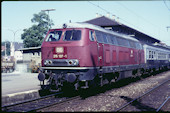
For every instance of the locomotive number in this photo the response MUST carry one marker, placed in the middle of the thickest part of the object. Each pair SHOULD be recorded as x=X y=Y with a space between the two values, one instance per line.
x=59 y=56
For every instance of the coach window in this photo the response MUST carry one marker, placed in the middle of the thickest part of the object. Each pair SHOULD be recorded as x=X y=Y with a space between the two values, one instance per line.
x=150 y=54
x=154 y=53
x=91 y=35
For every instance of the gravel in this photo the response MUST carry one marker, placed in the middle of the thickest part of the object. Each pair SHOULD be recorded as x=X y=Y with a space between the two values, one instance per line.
x=113 y=98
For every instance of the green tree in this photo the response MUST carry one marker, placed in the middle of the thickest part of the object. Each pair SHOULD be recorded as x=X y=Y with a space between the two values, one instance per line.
x=7 y=48
x=33 y=36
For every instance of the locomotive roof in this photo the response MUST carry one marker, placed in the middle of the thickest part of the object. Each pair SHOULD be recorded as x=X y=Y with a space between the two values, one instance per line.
x=95 y=27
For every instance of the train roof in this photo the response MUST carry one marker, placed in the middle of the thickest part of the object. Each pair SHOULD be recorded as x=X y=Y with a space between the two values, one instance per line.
x=95 y=27
x=149 y=46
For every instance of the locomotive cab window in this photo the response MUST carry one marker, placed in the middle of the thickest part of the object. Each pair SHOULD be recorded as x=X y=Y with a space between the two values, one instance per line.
x=72 y=35
x=99 y=37
x=54 y=36
x=91 y=35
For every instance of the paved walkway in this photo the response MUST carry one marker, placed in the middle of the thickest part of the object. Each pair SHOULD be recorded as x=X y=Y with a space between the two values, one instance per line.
x=17 y=82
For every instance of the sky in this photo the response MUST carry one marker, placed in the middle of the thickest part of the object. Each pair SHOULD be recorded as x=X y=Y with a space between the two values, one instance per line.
x=149 y=17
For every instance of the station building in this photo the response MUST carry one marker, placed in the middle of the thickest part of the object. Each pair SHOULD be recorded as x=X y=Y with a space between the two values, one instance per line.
x=118 y=27
x=32 y=55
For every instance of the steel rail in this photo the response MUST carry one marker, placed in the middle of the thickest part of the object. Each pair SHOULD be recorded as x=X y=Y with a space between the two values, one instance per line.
x=163 y=104
x=141 y=96
x=27 y=101
x=61 y=102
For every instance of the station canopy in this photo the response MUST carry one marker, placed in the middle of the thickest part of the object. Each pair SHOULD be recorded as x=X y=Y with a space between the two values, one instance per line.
x=116 y=26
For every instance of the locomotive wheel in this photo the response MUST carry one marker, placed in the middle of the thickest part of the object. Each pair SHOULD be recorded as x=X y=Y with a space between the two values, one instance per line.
x=95 y=82
x=68 y=89
x=43 y=92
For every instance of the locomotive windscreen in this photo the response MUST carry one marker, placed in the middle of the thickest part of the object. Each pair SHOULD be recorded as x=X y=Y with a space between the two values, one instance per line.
x=72 y=35
x=54 y=36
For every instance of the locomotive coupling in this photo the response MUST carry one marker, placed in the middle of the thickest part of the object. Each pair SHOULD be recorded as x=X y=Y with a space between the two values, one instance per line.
x=41 y=76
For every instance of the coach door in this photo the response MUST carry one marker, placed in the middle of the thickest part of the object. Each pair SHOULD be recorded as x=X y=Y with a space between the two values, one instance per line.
x=100 y=45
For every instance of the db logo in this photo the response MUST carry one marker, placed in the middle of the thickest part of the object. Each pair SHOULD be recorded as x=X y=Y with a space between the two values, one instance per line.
x=59 y=50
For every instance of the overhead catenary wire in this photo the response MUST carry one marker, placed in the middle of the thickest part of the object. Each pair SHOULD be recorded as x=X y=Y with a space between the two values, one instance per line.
x=166 y=5
x=156 y=27
x=111 y=13
x=136 y=27
x=131 y=11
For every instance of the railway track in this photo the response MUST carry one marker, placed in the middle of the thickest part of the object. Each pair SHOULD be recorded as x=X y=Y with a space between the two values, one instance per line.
x=153 y=100
x=36 y=104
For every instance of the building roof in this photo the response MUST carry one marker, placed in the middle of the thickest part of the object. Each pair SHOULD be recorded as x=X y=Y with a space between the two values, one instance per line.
x=30 y=48
x=122 y=28
x=103 y=21
x=95 y=27
x=18 y=46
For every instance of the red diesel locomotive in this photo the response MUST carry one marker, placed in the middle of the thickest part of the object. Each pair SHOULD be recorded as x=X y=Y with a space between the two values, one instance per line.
x=83 y=55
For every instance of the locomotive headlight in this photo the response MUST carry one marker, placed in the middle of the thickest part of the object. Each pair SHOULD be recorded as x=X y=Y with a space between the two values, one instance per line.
x=46 y=62
x=76 y=62
x=70 y=62
x=50 y=62
x=73 y=62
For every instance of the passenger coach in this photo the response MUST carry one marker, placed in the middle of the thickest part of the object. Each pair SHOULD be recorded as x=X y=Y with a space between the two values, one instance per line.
x=156 y=57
